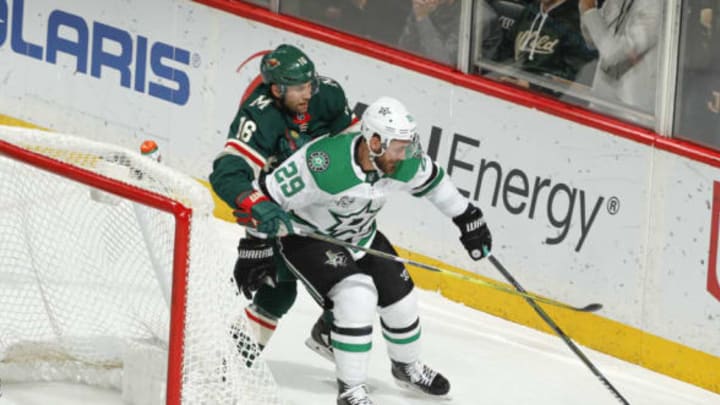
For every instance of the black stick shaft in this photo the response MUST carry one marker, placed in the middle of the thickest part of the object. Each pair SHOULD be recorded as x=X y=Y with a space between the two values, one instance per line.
x=388 y=256
x=557 y=330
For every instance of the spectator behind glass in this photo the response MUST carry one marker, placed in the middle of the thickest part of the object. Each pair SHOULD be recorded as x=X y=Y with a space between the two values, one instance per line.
x=546 y=40
x=489 y=33
x=697 y=106
x=378 y=20
x=625 y=33
x=432 y=30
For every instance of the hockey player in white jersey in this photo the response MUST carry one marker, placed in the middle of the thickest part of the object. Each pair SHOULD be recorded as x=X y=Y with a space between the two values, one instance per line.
x=336 y=186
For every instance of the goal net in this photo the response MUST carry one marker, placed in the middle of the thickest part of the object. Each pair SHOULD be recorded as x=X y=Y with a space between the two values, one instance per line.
x=110 y=276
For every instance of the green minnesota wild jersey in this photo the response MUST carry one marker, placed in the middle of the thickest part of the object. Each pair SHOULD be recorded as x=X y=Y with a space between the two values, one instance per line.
x=326 y=191
x=262 y=132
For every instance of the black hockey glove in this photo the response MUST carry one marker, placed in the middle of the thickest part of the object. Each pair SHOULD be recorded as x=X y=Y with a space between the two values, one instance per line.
x=474 y=232
x=254 y=266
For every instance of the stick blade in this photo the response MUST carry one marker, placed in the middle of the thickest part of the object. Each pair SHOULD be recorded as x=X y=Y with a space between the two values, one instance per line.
x=592 y=307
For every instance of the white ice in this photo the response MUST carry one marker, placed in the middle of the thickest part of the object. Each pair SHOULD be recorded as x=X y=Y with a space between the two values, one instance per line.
x=487 y=360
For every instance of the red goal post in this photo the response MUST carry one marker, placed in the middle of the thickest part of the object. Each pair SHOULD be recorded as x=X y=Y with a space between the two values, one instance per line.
x=122 y=201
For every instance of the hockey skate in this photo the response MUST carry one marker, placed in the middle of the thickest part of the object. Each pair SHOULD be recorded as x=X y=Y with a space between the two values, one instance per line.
x=420 y=378
x=319 y=340
x=356 y=395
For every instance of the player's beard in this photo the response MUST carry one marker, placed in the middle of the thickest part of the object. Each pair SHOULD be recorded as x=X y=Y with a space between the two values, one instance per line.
x=299 y=106
x=385 y=165
x=302 y=107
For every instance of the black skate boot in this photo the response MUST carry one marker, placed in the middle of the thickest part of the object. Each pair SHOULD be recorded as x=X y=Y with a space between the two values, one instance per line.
x=319 y=340
x=355 y=395
x=419 y=377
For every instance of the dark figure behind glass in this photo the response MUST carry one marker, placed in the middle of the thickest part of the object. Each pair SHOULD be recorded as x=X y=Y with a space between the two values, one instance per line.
x=432 y=30
x=698 y=96
x=378 y=20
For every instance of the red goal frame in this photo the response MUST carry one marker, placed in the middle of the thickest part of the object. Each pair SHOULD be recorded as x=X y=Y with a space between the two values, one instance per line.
x=182 y=216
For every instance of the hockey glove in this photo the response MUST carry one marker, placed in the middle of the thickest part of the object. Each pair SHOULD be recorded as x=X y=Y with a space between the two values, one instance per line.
x=254 y=266
x=474 y=233
x=256 y=210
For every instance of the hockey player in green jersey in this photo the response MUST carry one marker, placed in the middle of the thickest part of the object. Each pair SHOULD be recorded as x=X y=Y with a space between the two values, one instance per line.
x=336 y=186
x=290 y=107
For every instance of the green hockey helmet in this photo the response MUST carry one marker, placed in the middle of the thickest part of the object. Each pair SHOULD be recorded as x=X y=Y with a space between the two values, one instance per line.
x=288 y=66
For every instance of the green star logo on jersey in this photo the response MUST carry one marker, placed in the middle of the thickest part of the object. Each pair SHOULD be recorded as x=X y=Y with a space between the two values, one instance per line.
x=354 y=223
x=318 y=161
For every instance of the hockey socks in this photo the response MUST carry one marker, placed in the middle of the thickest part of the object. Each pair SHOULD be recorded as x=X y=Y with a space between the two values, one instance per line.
x=262 y=324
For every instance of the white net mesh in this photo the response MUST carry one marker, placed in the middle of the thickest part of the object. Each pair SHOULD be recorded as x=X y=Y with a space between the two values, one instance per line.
x=86 y=277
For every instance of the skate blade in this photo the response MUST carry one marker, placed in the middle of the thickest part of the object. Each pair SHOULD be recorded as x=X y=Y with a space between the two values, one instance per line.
x=323 y=351
x=412 y=387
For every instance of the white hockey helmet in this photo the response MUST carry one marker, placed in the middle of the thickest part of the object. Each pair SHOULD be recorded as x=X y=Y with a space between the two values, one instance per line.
x=388 y=119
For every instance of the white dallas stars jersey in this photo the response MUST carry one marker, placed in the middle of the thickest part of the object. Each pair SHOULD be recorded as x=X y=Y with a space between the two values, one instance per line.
x=325 y=190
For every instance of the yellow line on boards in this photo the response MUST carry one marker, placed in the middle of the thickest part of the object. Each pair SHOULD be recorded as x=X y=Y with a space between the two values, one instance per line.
x=9 y=121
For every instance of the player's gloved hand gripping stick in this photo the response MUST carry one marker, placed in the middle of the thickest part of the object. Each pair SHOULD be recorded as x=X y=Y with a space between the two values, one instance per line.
x=474 y=232
x=256 y=210
x=254 y=265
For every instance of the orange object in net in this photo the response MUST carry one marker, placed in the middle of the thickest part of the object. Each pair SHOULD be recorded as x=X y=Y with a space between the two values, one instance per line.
x=148 y=146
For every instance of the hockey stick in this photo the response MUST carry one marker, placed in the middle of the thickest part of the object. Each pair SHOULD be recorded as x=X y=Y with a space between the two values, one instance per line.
x=532 y=301
x=391 y=257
